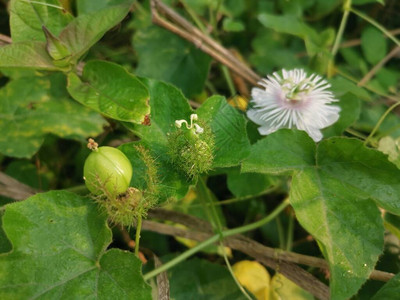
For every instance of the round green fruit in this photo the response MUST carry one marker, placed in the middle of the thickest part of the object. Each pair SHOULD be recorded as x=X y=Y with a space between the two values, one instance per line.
x=107 y=170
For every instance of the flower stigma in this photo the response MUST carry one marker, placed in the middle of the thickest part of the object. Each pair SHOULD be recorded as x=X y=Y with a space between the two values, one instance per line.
x=193 y=117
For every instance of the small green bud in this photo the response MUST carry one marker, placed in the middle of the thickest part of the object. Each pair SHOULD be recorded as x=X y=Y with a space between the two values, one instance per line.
x=191 y=147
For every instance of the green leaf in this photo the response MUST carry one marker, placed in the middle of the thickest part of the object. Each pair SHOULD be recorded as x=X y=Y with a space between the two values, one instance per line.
x=324 y=7
x=390 y=291
x=391 y=147
x=373 y=44
x=86 y=30
x=207 y=281
x=286 y=24
x=232 y=25
x=167 y=105
x=26 y=19
x=350 y=111
x=32 y=55
x=229 y=128
x=281 y=153
x=109 y=89
x=316 y=43
x=370 y=115
x=366 y=172
x=89 y=6
x=29 y=112
x=165 y=56
x=248 y=184
x=335 y=181
x=342 y=86
x=270 y=52
x=59 y=251
x=350 y=229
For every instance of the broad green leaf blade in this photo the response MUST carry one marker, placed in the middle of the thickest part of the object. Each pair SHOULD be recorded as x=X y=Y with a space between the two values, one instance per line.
x=59 y=242
x=286 y=24
x=120 y=277
x=31 y=55
x=349 y=228
x=248 y=184
x=29 y=112
x=86 y=30
x=332 y=192
x=350 y=111
x=109 y=89
x=165 y=56
x=342 y=86
x=365 y=171
x=89 y=6
x=373 y=44
x=26 y=19
x=202 y=280
x=390 y=291
x=283 y=152
x=167 y=105
x=229 y=128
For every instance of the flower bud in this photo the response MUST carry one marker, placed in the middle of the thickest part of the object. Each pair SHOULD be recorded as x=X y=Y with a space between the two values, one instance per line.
x=191 y=147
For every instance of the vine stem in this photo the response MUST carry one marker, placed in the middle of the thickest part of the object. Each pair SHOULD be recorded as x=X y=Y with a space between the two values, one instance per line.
x=207 y=199
x=214 y=239
x=342 y=26
x=137 y=236
x=377 y=25
x=382 y=118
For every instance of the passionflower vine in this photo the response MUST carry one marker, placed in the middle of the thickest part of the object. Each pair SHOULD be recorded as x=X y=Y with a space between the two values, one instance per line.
x=293 y=100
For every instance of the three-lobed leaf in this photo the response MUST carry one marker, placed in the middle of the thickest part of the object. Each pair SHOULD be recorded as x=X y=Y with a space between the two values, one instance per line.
x=59 y=250
x=334 y=187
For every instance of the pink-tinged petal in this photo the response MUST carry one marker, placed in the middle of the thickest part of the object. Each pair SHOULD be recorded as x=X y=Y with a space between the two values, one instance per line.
x=293 y=100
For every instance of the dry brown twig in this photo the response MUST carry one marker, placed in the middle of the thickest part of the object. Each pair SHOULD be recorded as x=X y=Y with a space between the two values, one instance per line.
x=378 y=66
x=187 y=31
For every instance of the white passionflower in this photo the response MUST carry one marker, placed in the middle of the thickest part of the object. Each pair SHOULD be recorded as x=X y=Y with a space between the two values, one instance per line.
x=294 y=100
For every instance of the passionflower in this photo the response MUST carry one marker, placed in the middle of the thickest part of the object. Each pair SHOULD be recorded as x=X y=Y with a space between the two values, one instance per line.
x=293 y=100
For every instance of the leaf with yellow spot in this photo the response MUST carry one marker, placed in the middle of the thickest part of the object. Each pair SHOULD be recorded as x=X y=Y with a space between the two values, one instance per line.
x=254 y=277
x=30 y=110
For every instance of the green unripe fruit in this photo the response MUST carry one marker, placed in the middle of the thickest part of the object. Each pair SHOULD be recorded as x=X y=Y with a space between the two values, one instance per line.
x=107 y=171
